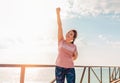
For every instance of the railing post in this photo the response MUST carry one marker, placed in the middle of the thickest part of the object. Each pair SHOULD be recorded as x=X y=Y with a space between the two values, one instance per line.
x=115 y=74
x=83 y=75
x=101 y=74
x=89 y=74
x=119 y=71
x=109 y=74
x=22 y=74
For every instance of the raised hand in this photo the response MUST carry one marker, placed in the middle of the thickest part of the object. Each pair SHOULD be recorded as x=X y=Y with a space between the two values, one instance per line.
x=58 y=10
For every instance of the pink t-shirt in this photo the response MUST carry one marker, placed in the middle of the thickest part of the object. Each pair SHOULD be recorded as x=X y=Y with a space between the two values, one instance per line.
x=65 y=53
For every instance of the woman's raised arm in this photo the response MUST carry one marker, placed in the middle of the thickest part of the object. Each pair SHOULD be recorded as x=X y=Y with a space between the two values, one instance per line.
x=60 y=31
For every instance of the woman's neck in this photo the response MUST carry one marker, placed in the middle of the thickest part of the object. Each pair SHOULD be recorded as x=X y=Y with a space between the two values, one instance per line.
x=67 y=41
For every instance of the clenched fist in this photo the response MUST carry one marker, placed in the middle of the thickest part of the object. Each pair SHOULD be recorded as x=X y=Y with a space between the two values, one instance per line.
x=58 y=10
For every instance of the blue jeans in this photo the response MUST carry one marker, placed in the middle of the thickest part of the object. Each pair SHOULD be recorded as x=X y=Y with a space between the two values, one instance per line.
x=61 y=73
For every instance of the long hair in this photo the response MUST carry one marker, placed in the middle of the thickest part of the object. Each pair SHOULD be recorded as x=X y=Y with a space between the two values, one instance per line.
x=75 y=36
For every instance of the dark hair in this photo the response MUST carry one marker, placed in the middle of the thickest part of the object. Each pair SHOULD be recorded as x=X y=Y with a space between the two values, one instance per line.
x=75 y=36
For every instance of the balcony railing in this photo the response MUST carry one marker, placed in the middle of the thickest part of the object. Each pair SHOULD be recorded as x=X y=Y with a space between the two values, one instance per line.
x=113 y=72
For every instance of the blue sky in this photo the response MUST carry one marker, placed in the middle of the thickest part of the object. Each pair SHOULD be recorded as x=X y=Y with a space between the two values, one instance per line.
x=100 y=34
x=28 y=30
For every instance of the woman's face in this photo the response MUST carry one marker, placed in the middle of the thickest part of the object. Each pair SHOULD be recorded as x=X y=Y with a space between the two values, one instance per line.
x=70 y=36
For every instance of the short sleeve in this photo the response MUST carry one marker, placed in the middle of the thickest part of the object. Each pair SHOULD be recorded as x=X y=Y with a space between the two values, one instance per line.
x=60 y=42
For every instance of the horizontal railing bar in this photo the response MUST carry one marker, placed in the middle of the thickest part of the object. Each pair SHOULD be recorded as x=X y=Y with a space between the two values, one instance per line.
x=25 y=65
x=41 y=65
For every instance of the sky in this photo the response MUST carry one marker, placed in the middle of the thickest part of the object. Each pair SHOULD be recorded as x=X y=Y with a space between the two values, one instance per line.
x=28 y=30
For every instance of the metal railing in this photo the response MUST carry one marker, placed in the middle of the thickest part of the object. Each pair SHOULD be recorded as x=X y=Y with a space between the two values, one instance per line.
x=113 y=72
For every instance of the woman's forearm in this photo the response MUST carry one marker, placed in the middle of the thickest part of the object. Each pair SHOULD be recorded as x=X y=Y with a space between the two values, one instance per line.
x=75 y=55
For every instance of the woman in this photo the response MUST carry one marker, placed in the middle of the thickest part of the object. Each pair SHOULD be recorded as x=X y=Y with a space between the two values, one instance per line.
x=67 y=53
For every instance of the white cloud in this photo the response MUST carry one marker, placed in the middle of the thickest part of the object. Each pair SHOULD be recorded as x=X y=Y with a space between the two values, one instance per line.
x=94 y=7
x=102 y=37
x=115 y=44
x=109 y=42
